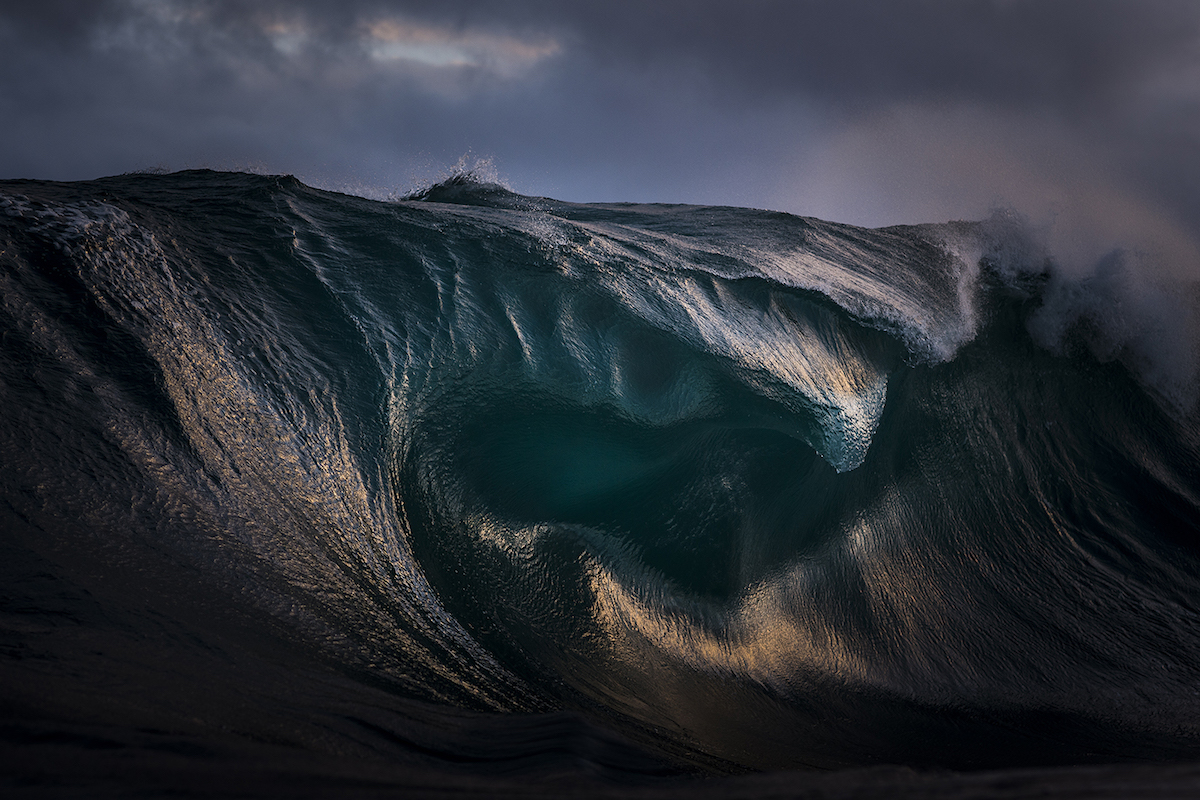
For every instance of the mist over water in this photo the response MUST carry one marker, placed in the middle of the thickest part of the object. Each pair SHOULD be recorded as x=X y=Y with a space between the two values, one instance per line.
x=713 y=488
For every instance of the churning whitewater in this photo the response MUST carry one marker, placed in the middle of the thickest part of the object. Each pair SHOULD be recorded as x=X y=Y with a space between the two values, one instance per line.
x=740 y=488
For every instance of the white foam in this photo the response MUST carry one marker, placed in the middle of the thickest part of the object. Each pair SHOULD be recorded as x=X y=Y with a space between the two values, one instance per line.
x=1139 y=304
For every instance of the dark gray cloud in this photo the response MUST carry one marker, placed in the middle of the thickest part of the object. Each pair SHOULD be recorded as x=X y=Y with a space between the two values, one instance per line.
x=1014 y=53
x=874 y=113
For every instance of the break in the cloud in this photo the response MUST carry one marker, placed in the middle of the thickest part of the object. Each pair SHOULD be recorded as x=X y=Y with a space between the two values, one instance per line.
x=388 y=39
x=1082 y=111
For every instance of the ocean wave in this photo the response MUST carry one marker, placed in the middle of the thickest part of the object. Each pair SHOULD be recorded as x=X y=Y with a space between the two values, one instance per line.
x=751 y=490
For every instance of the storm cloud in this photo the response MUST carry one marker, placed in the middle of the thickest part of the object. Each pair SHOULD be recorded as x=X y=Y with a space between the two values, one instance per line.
x=1084 y=116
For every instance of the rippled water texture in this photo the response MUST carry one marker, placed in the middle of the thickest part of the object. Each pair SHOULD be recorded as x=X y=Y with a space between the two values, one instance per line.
x=494 y=485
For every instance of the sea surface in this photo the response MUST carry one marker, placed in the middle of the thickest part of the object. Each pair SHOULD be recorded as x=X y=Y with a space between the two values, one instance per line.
x=476 y=493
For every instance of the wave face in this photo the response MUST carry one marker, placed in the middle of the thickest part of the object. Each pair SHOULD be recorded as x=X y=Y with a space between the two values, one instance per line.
x=747 y=489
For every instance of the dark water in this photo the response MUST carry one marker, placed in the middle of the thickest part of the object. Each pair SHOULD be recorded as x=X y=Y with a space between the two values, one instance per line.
x=492 y=488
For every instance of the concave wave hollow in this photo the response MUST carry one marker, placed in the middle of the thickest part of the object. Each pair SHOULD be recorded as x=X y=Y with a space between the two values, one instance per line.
x=749 y=489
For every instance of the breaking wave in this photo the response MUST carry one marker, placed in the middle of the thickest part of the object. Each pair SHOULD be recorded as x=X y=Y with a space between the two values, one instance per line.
x=741 y=488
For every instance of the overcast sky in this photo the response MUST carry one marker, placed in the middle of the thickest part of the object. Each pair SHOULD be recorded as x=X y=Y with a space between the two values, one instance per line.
x=868 y=112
